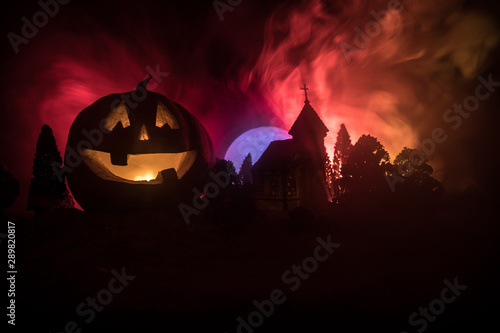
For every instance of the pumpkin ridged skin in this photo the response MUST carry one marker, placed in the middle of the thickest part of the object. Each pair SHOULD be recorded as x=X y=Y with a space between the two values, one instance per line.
x=94 y=193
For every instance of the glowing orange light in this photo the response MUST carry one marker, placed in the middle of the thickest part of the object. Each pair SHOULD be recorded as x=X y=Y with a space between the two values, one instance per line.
x=148 y=175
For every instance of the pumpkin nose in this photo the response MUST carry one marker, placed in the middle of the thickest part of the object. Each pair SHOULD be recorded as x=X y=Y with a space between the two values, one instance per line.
x=143 y=133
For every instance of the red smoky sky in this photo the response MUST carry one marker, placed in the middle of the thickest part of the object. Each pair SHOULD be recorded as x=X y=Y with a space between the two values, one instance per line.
x=245 y=71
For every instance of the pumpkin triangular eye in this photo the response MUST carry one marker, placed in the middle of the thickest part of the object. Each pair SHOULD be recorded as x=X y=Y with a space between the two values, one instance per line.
x=164 y=116
x=117 y=115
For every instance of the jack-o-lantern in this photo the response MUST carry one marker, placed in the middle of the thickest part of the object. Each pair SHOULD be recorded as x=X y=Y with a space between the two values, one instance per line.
x=136 y=150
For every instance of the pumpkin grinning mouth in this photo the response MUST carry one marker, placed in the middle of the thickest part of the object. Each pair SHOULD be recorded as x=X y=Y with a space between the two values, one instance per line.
x=139 y=168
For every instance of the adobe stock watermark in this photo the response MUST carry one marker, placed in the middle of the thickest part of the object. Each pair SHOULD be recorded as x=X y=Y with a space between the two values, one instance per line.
x=87 y=310
x=211 y=190
x=222 y=6
x=454 y=117
x=73 y=155
x=372 y=29
x=29 y=29
x=292 y=278
x=425 y=315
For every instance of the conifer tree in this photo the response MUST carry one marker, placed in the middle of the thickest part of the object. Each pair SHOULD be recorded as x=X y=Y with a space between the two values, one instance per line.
x=330 y=177
x=245 y=171
x=342 y=147
x=46 y=190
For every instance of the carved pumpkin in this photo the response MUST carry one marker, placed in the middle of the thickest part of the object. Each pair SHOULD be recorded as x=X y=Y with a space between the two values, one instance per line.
x=135 y=151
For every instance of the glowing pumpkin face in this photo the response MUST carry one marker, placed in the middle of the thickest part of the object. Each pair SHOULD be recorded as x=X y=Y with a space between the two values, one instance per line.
x=136 y=153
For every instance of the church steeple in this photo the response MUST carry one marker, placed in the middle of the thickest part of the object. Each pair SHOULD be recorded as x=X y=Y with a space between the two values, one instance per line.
x=298 y=165
x=308 y=123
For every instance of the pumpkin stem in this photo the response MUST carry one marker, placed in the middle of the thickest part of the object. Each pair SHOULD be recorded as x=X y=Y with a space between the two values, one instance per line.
x=144 y=83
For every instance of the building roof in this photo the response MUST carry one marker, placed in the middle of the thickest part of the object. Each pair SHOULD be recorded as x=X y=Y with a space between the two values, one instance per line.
x=283 y=154
x=308 y=122
x=278 y=155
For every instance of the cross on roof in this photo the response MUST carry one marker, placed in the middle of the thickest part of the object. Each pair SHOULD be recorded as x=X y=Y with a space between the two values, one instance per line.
x=305 y=92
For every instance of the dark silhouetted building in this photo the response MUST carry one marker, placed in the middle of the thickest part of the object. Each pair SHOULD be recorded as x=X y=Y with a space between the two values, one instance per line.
x=291 y=173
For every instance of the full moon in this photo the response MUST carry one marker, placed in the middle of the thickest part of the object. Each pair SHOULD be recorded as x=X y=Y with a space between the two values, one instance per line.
x=254 y=142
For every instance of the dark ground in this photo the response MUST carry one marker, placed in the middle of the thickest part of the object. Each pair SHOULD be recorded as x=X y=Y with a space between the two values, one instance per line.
x=201 y=277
